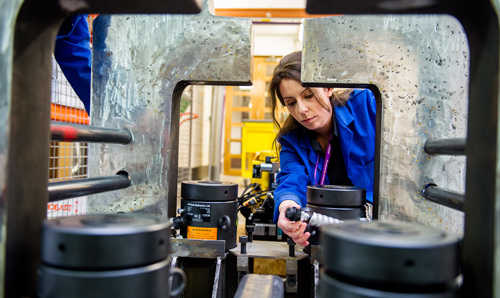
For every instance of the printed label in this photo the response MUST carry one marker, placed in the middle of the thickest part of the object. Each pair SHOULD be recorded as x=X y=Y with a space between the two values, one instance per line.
x=198 y=212
x=202 y=233
x=57 y=207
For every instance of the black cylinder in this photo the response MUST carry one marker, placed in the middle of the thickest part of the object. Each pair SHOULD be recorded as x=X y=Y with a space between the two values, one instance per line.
x=70 y=132
x=216 y=191
x=105 y=241
x=445 y=197
x=330 y=286
x=145 y=281
x=337 y=201
x=61 y=190
x=388 y=257
x=336 y=195
x=210 y=211
x=346 y=213
x=450 y=146
x=105 y=255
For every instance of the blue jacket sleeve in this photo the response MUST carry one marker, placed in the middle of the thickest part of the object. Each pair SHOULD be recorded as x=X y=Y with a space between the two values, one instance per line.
x=72 y=53
x=292 y=178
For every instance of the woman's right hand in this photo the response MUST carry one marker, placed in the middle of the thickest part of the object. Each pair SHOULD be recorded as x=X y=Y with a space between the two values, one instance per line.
x=294 y=229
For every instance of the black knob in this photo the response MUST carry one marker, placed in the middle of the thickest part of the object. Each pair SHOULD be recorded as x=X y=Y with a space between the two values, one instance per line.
x=178 y=222
x=225 y=223
x=250 y=229
x=243 y=241
x=293 y=214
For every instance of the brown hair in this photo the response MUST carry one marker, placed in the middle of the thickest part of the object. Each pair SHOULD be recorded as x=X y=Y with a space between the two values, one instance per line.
x=289 y=67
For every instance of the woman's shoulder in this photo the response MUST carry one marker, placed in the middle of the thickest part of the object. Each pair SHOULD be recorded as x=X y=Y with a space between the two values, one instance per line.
x=361 y=99
x=361 y=94
x=293 y=137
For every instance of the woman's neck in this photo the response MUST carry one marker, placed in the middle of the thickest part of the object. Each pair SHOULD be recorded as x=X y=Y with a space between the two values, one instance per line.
x=323 y=135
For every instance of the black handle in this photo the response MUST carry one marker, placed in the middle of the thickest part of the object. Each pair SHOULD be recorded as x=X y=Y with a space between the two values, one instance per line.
x=293 y=214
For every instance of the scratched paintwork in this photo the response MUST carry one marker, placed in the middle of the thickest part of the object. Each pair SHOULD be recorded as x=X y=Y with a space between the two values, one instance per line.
x=420 y=64
x=138 y=62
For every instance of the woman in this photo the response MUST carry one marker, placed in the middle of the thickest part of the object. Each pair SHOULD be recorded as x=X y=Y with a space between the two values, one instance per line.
x=328 y=138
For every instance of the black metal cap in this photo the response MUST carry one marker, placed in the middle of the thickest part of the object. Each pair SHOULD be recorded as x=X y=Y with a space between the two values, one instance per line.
x=209 y=191
x=390 y=252
x=336 y=195
x=105 y=241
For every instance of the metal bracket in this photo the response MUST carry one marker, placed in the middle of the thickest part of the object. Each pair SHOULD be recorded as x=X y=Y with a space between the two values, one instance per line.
x=292 y=280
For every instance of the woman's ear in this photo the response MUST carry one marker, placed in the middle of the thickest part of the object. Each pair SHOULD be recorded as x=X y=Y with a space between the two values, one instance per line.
x=329 y=92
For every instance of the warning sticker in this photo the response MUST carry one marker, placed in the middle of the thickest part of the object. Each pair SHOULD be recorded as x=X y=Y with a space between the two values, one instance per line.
x=196 y=212
x=202 y=233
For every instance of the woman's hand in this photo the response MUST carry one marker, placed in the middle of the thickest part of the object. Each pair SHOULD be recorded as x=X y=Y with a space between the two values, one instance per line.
x=294 y=229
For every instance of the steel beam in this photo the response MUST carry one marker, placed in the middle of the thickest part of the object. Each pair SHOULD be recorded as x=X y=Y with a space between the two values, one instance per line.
x=28 y=30
x=61 y=190
x=476 y=78
x=448 y=146
x=67 y=132
x=141 y=64
x=418 y=68
x=444 y=197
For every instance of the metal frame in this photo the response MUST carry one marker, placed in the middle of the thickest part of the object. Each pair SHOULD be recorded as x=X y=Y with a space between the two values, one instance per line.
x=139 y=85
x=30 y=27
x=24 y=116
x=298 y=265
x=481 y=252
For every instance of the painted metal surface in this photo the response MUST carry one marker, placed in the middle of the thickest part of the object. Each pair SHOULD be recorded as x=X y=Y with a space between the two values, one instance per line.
x=420 y=66
x=141 y=65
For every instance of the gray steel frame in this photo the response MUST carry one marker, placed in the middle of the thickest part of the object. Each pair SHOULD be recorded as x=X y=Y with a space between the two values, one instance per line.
x=28 y=30
x=24 y=125
x=137 y=85
x=480 y=251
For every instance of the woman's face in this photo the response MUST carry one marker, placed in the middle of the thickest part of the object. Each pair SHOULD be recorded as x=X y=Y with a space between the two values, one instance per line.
x=302 y=104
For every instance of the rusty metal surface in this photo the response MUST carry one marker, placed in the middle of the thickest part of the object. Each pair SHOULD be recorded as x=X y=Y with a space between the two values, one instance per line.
x=420 y=65
x=193 y=248
x=141 y=65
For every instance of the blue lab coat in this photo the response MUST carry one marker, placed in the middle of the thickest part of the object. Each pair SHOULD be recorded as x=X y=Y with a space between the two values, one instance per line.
x=73 y=54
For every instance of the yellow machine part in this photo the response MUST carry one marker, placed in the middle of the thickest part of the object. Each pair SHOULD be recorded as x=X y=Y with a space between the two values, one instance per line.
x=256 y=136
x=260 y=158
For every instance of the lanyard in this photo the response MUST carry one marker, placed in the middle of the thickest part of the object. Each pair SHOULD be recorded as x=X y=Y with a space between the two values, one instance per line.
x=327 y=160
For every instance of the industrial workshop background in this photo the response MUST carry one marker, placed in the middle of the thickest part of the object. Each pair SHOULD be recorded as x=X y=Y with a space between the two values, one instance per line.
x=432 y=65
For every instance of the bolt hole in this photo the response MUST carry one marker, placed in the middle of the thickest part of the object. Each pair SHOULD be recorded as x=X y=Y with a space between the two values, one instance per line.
x=61 y=247
x=409 y=263
x=320 y=196
x=225 y=192
x=124 y=173
x=161 y=242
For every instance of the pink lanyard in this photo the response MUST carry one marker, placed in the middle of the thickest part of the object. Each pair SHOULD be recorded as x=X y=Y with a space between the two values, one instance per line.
x=327 y=159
